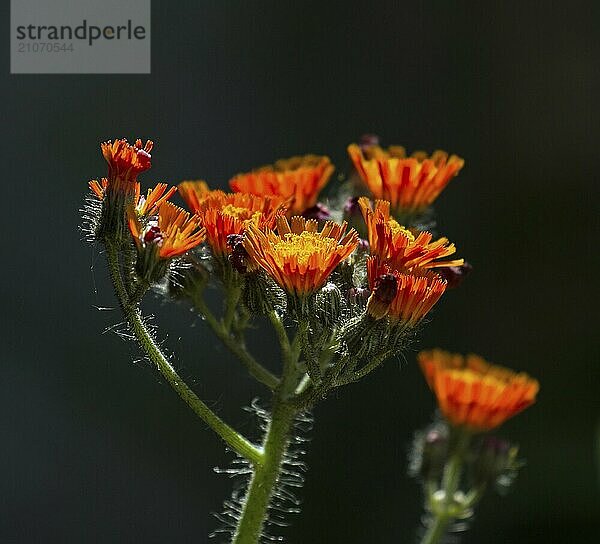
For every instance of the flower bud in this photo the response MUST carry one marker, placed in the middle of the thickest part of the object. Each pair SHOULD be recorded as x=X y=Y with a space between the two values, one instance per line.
x=358 y=296
x=454 y=275
x=239 y=258
x=494 y=462
x=329 y=304
x=319 y=211
x=384 y=292
x=260 y=294
x=191 y=278
x=430 y=452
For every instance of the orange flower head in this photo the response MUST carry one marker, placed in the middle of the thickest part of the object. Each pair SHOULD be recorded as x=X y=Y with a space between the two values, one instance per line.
x=173 y=232
x=224 y=214
x=126 y=162
x=299 y=257
x=404 y=297
x=143 y=205
x=399 y=246
x=99 y=187
x=410 y=184
x=194 y=192
x=473 y=393
x=149 y=204
x=300 y=179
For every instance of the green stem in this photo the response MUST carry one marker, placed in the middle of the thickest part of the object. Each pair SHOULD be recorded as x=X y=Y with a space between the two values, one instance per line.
x=132 y=314
x=436 y=530
x=282 y=337
x=236 y=346
x=444 y=510
x=265 y=476
x=233 y=296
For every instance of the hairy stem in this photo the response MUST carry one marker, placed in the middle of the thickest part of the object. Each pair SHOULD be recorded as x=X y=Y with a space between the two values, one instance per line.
x=276 y=440
x=444 y=510
x=147 y=343
x=265 y=476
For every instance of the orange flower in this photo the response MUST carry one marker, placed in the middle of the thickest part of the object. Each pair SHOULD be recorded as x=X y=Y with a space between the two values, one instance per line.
x=223 y=214
x=193 y=192
x=126 y=162
x=404 y=297
x=409 y=183
x=473 y=393
x=397 y=245
x=174 y=232
x=99 y=187
x=143 y=205
x=298 y=257
x=150 y=204
x=299 y=178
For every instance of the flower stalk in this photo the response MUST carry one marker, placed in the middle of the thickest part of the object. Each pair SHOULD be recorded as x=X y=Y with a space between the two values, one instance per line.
x=149 y=346
x=442 y=503
x=265 y=476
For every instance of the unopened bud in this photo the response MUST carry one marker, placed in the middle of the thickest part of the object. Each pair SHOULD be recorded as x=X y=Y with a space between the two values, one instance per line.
x=239 y=258
x=260 y=294
x=454 y=275
x=384 y=292
x=358 y=296
x=329 y=304
x=495 y=461
x=430 y=452
x=368 y=140
x=319 y=211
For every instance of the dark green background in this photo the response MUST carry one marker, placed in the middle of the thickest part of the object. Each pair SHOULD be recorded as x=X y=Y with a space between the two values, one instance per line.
x=96 y=448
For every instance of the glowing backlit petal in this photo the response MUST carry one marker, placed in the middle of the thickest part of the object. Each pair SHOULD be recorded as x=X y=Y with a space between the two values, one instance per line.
x=299 y=179
x=474 y=393
x=416 y=293
x=401 y=248
x=408 y=183
x=299 y=257
x=224 y=214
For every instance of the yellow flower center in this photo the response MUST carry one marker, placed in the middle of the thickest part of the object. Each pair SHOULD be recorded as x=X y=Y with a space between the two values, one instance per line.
x=398 y=229
x=243 y=214
x=303 y=246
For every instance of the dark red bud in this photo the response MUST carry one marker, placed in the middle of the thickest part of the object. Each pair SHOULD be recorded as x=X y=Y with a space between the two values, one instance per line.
x=238 y=258
x=153 y=235
x=319 y=211
x=368 y=140
x=386 y=287
x=455 y=275
x=351 y=206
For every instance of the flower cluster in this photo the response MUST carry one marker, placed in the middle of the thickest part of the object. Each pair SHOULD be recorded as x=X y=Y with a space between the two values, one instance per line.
x=159 y=229
x=257 y=229
x=339 y=305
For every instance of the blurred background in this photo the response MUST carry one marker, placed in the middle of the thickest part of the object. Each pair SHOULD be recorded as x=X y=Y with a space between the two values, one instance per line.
x=96 y=448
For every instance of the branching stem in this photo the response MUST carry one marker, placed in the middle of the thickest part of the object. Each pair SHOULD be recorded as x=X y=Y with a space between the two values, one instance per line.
x=147 y=343
x=236 y=346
